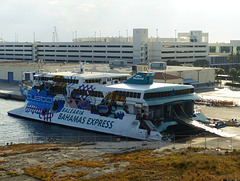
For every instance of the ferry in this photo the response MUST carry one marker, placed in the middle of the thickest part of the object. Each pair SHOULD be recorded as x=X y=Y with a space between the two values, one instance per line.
x=133 y=107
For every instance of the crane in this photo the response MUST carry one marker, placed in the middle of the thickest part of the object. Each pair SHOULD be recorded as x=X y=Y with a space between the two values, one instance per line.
x=55 y=35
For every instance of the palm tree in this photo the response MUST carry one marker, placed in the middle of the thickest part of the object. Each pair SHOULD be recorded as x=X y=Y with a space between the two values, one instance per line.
x=233 y=73
x=219 y=71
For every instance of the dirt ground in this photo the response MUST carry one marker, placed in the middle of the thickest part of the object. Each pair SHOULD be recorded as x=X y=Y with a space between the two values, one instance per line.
x=86 y=161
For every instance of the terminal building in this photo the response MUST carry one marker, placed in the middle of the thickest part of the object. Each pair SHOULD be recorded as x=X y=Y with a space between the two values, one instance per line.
x=218 y=52
x=185 y=48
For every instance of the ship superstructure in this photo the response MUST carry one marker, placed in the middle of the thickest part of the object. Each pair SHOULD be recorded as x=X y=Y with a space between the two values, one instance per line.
x=108 y=103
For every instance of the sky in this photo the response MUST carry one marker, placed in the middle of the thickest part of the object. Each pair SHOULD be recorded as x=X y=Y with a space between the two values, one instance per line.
x=26 y=20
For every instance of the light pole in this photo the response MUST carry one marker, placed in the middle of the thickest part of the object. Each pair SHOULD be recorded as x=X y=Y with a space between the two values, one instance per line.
x=175 y=35
x=119 y=35
x=198 y=75
x=33 y=37
x=157 y=34
x=100 y=35
x=76 y=35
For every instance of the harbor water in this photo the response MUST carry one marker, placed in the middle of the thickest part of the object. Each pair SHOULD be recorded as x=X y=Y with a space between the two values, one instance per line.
x=16 y=129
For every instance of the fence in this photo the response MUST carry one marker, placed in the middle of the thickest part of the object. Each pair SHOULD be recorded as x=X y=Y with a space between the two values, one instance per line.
x=110 y=142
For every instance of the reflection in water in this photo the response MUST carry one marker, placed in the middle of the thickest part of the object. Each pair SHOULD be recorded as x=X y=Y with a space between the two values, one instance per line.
x=16 y=129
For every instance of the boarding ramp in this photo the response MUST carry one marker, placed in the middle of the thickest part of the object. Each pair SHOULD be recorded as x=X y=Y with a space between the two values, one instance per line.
x=148 y=125
x=200 y=125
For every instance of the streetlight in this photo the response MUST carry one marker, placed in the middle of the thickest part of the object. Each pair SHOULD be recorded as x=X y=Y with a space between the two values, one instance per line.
x=119 y=35
x=157 y=34
x=198 y=75
x=76 y=35
x=34 y=37
x=100 y=35
x=175 y=35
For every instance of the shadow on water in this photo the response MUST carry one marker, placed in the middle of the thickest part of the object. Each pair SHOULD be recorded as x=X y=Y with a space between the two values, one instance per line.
x=16 y=129
x=181 y=132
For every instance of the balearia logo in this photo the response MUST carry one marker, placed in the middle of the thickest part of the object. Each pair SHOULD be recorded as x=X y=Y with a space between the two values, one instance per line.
x=138 y=77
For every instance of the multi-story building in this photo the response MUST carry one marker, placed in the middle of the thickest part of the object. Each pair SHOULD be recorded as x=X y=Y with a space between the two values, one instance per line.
x=218 y=52
x=140 y=48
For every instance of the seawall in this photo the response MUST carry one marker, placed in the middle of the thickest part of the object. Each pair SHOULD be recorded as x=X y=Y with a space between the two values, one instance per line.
x=10 y=91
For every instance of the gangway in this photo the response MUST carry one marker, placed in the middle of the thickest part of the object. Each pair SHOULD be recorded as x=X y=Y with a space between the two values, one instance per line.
x=200 y=125
x=148 y=125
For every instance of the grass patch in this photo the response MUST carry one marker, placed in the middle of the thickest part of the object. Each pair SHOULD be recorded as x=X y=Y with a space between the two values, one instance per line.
x=186 y=165
x=3 y=161
x=189 y=164
x=80 y=163
x=41 y=173
x=15 y=149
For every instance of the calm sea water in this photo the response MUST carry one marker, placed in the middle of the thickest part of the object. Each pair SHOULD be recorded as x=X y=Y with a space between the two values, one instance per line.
x=16 y=129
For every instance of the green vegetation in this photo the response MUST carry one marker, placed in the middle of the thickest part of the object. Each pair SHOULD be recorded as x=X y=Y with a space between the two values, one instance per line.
x=234 y=58
x=190 y=164
x=187 y=164
x=173 y=62
x=15 y=149
x=219 y=71
x=234 y=75
x=201 y=63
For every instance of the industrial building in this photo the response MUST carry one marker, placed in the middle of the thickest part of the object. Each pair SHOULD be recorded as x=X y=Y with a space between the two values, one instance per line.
x=185 y=48
x=197 y=76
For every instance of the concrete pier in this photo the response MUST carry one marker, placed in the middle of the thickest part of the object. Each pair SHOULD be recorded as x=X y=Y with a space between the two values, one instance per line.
x=10 y=91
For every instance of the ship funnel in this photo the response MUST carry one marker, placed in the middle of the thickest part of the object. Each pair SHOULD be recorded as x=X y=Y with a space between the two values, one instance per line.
x=141 y=78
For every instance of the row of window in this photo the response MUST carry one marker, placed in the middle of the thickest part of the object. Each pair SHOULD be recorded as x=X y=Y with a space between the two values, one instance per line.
x=183 y=52
x=83 y=56
x=223 y=49
x=167 y=93
x=99 y=46
x=15 y=45
x=169 y=58
x=183 y=46
x=185 y=91
x=156 y=94
x=88 y=93
x=93 y=80
x=128 y=94
x=55 y=79
x=20 y=50
x=77 y=51
x=15 y=54
x=19 y=59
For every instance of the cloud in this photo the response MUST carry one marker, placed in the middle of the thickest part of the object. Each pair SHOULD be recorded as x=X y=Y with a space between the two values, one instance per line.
x=112 y=16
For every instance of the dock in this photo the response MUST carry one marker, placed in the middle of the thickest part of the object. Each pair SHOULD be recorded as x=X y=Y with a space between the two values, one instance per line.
x=10 y=91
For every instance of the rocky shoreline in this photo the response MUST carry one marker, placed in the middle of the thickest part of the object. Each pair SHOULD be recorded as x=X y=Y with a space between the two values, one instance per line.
x=32 y=162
